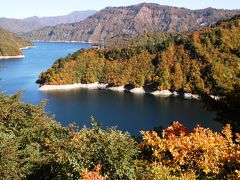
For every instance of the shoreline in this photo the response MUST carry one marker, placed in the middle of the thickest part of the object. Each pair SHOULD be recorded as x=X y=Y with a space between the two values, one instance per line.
x=28 y=47
x=12 y=57
x=61 y=41
x=163 y=93
x=20 y=56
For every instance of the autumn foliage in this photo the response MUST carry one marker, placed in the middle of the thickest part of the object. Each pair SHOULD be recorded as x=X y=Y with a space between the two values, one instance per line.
x=93 y=175
x=202 y=151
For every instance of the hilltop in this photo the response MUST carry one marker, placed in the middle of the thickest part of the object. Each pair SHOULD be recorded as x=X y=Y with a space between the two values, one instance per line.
x=10 y=44
x=33 y=23
x=132 y=20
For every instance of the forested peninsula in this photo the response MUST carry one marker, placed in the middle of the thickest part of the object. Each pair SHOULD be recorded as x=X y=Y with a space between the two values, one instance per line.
x=11 y=44
x=204 y=62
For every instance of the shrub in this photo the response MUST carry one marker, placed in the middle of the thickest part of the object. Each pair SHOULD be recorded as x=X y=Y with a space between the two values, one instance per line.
x=203 y=151
x=114 y=150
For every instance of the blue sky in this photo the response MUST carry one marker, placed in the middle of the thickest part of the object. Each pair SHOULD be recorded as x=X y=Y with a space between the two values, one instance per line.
x=26 y=8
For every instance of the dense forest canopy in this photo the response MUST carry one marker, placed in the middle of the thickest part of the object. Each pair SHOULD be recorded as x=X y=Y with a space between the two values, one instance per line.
x=10 y=44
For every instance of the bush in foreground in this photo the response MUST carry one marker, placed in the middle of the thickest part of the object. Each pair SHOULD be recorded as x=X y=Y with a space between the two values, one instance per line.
x=34 y=146
x=202 y=151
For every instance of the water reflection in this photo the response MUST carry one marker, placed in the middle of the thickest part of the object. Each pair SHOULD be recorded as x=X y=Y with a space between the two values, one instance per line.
x=127 y=111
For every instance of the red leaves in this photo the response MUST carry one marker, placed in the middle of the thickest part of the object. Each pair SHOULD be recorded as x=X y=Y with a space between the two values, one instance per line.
x=176 y=129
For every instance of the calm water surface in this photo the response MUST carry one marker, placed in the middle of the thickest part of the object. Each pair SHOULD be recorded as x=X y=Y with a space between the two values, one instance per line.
x=127 y=111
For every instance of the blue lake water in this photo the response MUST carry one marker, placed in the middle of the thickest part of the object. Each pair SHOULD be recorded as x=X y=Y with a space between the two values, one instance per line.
x=129 y=112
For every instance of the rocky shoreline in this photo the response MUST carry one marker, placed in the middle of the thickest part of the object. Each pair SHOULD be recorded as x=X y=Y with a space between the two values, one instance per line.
x=141 y=90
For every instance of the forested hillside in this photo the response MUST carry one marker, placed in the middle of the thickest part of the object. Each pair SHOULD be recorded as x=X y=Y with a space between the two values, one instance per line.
x=132 y=20
x=205 y=62
x=205 y=59
x=10 y=44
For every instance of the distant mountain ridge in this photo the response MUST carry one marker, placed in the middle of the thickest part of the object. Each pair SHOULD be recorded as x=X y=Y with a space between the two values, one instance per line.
x=34 y=23
x=132 y=20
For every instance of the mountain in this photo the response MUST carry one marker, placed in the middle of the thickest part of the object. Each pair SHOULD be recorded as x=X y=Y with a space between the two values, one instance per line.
x=10 y=43
x=34 y=23
x=132 y=20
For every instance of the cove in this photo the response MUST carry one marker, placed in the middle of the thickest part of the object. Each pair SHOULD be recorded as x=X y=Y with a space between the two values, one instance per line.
x=129 y=112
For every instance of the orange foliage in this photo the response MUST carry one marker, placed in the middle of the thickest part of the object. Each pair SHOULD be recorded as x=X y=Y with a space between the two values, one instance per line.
x=202 y=150
x=93 y=175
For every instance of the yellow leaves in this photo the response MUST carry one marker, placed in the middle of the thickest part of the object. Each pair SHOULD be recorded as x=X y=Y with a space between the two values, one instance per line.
x=150 y=136
x=157 y=171
x=201 y=150
x=238 y=174
x=238 y=138
x=47 y=142
x=228 y=133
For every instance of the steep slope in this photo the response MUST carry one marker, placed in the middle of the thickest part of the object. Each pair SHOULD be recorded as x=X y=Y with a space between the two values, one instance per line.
x=132 y=20
x=10 y=44
x=34 y=23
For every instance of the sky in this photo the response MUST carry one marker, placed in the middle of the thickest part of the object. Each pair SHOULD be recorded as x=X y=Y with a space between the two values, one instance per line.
x=27 y=8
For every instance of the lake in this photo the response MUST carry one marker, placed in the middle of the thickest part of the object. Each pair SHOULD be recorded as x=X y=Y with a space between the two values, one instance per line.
x=129 y=112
